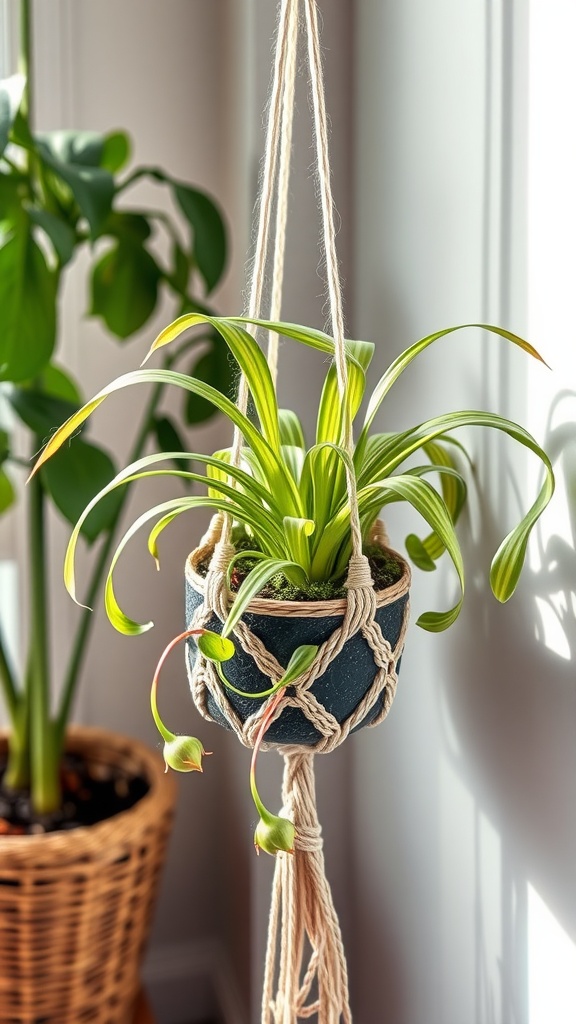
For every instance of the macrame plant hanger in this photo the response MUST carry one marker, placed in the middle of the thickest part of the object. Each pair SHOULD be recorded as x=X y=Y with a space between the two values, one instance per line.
x=305 y=970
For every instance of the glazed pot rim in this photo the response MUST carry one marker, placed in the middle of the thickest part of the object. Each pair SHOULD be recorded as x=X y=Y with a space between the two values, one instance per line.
x=302 y=609
x=119 y=829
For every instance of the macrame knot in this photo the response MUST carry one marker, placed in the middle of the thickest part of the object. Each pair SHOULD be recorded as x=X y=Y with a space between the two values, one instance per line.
x=209 y=539
x=224 y=551
x=217 y=593
x=359 y=575
x=309 y=839
x=303 y=921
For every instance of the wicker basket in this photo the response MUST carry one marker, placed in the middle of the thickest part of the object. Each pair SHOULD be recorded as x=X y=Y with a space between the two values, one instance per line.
x=75 y=907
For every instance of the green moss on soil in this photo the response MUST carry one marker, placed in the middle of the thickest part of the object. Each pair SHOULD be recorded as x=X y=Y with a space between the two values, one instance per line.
x=385 y=568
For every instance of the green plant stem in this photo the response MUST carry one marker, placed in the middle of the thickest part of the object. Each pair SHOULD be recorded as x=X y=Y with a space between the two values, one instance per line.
x=263 y=811
x=245 y=693
x=165 y=733
x=87 y=618
x=17 y=774
x=25 y=58
x=45 y=789
x=7 y=682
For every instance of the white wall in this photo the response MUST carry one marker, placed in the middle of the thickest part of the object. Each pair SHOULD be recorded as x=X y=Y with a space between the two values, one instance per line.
x=464 y=822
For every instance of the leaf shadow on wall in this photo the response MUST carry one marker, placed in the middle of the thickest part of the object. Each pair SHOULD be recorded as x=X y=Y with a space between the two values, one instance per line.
x=509 y=700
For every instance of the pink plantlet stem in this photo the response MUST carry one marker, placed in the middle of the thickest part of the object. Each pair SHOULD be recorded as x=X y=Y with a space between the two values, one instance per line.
x=167 y=736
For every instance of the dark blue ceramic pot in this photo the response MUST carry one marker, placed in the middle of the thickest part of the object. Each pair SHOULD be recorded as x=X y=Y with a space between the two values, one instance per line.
x=345 y=682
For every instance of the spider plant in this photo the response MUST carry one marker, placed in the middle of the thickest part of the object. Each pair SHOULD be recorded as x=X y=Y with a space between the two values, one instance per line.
x=288 y=499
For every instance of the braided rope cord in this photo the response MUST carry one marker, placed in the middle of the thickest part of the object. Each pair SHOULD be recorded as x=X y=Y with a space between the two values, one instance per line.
x=305 y=970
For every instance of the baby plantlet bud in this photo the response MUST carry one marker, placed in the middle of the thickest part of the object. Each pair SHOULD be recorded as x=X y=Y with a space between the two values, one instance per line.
x=274 y=834
x=215 y=647
x=184 y=754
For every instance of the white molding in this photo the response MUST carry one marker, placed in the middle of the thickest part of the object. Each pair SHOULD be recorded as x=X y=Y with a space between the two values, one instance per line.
x=192 y=981
x=504 y=228
x=494 y=172
x=495 y=361
x=8 y=38
x=53 y=52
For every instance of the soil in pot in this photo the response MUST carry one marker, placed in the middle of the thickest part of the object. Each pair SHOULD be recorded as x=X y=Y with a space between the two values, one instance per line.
x=91 y=792
x=385 y=568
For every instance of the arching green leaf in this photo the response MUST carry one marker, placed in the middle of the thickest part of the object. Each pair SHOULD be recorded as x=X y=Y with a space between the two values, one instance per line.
x=422 y=496
x=405 y=358
x=509 y=559
x=297 y=532
x=291 y=432
x=274 y=471
x=454 y=491
x=144 y=468
x=122 y=622
x=248 y=356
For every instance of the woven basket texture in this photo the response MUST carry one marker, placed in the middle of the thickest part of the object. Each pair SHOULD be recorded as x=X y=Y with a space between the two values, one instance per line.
x=75 y=907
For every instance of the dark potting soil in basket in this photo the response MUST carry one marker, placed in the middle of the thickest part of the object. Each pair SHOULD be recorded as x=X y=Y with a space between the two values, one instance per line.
x=91 y=792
